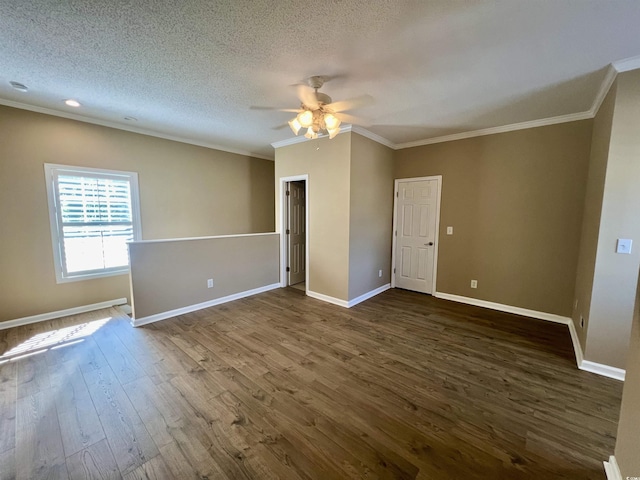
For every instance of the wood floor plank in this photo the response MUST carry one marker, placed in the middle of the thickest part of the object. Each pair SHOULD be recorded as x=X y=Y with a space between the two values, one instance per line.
x=180 y=465
x=8 y=398
x=121 y=361
x=158 y=364
x=93 y=462
x=39 y=451
x=229 y=352
x=79 y=422
x=32 y=375
x=278 y=440
x=154 y=469
x=203 y=423
x=187 y=457
x=249 y=441
x=270 y=454
x=8 y=463
x=129 y=440
x=159 y=413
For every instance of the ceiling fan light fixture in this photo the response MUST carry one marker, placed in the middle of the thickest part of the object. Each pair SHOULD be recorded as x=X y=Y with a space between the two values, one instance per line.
x=311 y=134
x=331 y=121
x=295 y=125
x=305 y=118
x=333 y=132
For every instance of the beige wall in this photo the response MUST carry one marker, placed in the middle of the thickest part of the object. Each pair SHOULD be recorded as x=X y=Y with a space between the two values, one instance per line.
x=627 y=445
x=515 y=201
x=615 y=278
x=167 y=275
x=371 y=213
x=327 y=162
x=184 y=191
x=592 y=208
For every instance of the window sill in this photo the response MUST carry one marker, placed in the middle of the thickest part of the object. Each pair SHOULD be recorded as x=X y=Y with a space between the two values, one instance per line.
x=91 y=276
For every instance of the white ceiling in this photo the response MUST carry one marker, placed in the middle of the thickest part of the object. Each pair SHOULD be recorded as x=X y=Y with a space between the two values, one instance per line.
x=192 y=69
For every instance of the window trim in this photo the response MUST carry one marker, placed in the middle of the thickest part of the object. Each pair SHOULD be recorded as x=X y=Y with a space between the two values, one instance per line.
x=51 y=171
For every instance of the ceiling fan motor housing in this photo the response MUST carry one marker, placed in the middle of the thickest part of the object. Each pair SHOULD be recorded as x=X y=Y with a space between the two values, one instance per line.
x=316 y=81
x=323 y=98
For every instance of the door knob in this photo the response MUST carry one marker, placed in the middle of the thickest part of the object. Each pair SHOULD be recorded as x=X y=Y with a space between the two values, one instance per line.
x=428 y=244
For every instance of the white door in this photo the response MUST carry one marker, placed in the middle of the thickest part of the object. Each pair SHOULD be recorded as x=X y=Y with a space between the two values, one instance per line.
x=296 y=232
x=416 y=224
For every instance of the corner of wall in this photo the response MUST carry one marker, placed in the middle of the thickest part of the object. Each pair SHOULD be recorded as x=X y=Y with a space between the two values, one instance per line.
x=592 y=211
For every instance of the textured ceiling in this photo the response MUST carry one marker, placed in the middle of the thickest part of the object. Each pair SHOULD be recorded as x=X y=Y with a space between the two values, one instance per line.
x=192 y=69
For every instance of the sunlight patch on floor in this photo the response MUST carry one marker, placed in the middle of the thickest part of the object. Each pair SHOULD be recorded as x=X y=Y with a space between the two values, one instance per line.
x=54 y=339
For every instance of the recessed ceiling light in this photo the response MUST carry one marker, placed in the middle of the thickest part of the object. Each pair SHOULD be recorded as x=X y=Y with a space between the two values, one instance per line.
x=72 y=103
x=19 y=86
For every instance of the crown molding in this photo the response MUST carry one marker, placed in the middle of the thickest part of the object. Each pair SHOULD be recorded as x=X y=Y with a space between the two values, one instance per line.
x=290 y=141
x=572 y=117
x=126 y=128
x=605 y=86
x=373 y=136
x=627 y=64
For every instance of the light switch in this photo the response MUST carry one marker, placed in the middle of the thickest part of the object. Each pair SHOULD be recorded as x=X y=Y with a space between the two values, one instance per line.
x=449 y=230
x=624 y=245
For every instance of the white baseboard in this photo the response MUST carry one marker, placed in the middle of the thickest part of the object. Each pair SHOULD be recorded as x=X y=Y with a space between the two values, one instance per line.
x=586 y=365
x=61 y=313
x=612 y=469
x=350 y=303
x=368 y=295
x=604 y=370
x=577 y=348
x=328 y=299
x=137 y=322
x=550 y=317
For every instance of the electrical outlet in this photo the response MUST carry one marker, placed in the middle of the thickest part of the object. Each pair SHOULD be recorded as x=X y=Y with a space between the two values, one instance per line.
x=210 y=283
x=449 y=230
x=474 y=283
x=581 y=321
x=380 y=273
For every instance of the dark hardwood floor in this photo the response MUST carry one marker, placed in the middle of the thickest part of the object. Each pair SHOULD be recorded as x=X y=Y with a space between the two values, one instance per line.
x=281 y=385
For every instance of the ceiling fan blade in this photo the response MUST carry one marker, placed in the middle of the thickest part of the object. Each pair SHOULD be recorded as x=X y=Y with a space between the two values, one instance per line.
x=293 y=110
x=323 y=78
x=350 y=104
x=352 y=119
x=307 y=97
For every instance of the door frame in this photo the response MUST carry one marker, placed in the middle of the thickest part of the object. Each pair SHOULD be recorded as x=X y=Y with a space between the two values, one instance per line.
x=395 y=226
x=282 y=227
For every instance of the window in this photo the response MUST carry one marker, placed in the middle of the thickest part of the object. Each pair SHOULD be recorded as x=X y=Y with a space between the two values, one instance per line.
x=93 y=214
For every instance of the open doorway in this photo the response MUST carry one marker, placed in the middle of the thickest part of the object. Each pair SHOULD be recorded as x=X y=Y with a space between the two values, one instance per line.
x=294 y=232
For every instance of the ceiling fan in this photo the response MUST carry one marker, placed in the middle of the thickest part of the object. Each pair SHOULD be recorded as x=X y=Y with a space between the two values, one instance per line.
x=318 y=113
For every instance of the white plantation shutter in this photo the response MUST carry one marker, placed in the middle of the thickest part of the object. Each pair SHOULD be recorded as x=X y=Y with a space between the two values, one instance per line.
x=93 y=214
